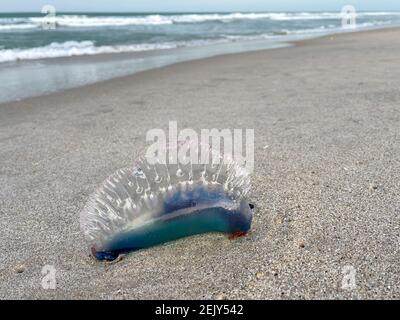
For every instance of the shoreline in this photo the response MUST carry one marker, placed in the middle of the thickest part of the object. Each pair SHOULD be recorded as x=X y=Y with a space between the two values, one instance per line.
x=157 y=59
x=326 y=121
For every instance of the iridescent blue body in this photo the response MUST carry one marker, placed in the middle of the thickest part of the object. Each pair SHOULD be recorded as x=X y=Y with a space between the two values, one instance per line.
x=184 y=214
x=158 y=201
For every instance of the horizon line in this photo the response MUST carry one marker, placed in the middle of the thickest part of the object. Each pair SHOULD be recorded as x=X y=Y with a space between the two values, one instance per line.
x=199 y=11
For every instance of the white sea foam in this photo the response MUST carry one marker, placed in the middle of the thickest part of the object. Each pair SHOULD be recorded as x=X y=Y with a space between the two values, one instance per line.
x=81 y=48
x=73 y=47
x=157 y=19
x=86 y=21
x=7 y=27
x=324 y=15
x=99 y=21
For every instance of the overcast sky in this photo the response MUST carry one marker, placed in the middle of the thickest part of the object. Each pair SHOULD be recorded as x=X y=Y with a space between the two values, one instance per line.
x=197 y=5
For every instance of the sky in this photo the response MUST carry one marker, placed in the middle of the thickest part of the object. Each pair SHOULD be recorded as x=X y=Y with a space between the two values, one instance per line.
x=197 y=5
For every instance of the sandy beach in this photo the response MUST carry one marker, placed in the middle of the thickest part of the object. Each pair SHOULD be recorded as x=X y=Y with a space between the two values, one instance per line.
x=326 y=181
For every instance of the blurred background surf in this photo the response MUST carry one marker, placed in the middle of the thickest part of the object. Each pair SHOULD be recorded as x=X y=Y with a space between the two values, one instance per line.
x=23 y=37
x=151 y=39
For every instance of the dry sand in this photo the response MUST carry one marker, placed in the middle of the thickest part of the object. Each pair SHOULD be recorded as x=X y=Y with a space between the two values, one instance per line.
x=326 y=189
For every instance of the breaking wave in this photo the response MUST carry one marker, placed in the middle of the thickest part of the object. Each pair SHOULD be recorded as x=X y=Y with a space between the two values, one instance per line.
x=82 y=48
x=83 y=21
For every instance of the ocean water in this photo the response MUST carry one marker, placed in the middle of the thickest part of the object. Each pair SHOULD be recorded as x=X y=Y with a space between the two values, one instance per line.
x=28 y=47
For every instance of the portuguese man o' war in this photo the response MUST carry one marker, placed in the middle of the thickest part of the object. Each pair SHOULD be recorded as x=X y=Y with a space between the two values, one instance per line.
x=150 y=204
